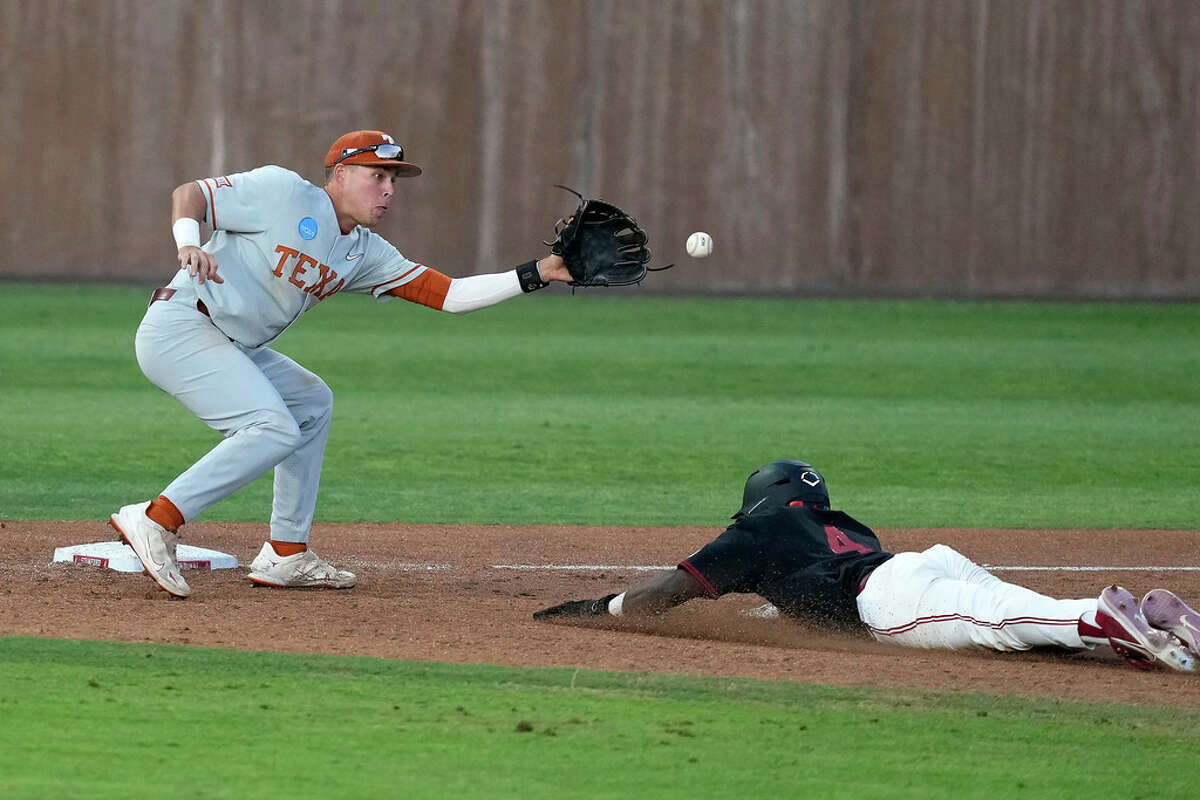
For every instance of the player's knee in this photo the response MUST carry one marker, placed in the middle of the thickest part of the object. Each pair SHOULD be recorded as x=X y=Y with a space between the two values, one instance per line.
x=313 y=400
x=279 y=430
x=317 y=408
x=323 y=400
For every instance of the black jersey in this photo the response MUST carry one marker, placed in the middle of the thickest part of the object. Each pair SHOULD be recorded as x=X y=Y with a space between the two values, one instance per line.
x=808 y=562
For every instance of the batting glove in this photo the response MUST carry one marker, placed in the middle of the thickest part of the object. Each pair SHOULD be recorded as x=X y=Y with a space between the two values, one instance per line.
x=576 y=608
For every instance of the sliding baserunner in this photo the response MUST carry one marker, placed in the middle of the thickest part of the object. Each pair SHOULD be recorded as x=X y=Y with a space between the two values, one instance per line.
x=826 y=567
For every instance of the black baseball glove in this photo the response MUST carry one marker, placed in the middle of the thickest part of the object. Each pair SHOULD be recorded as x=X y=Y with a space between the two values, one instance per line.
x=601 y=245
x=576 y=608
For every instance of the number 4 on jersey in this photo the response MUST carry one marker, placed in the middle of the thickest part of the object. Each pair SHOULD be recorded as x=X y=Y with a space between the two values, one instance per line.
x=839 y=542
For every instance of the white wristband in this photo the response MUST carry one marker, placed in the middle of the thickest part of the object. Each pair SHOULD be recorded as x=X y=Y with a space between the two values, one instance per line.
x=614 y=605
x=187 y=232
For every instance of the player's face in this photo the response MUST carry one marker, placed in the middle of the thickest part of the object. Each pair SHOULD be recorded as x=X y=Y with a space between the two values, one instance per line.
x=369 y=192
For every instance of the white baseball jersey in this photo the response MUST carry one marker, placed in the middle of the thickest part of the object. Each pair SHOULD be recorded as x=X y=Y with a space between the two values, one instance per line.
x=280 y=251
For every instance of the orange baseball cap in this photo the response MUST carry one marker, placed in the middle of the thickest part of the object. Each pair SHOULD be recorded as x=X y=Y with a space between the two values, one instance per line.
x=371 y=149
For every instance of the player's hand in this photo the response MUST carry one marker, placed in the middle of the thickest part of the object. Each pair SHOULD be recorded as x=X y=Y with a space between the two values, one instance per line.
x=199 y=264
x=553 y=268
x=576 y=608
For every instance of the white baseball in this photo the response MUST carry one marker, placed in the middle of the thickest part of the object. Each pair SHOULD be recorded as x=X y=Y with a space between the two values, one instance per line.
x=699 y=245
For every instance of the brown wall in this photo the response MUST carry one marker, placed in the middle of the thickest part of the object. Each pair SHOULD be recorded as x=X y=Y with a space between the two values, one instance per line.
x=994 y=147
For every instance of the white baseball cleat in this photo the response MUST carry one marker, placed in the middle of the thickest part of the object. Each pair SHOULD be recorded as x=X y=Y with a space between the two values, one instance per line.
x=1132 y=637
x=154 y=546
x=1164 y=610
x=304 y=570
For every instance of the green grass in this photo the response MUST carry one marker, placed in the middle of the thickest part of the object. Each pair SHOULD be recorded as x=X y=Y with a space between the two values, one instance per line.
x=97 y=720
x=615 y=408
x=594 y=409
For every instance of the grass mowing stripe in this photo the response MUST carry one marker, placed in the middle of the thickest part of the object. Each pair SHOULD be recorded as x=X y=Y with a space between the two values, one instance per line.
x=645 y=410
x=108 y=720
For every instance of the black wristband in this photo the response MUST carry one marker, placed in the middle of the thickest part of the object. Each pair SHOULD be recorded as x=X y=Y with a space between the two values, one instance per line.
x=529 y=277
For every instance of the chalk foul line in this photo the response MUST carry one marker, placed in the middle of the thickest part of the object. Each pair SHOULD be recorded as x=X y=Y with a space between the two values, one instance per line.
x=990 y=567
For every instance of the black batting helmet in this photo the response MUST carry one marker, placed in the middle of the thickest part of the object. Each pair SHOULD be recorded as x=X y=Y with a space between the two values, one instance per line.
x=781 y=482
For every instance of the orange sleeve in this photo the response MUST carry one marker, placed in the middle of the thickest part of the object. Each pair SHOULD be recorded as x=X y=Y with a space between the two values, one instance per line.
x=429 y=289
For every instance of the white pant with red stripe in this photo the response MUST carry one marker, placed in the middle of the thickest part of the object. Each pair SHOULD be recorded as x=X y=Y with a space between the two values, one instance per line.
x=940 y=599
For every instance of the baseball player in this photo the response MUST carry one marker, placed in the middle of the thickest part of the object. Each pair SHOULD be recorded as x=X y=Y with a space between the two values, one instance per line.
x=279 y=246
x=814 y=563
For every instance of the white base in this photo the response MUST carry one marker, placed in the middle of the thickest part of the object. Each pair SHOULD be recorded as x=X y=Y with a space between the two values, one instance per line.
x=120 y=556
x=765 y=611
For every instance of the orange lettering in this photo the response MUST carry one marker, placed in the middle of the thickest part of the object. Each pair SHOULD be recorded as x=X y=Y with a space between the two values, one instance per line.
x=334 y=289
x=301 y=269
x=288 y=252
x=324 y=270
x=326 y=276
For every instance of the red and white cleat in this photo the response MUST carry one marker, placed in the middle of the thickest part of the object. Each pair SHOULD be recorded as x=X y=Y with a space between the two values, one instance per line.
x=1166 y=612
x=1132 y=637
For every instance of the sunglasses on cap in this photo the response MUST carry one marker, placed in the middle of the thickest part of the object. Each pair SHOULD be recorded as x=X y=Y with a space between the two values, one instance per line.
x=384 y=150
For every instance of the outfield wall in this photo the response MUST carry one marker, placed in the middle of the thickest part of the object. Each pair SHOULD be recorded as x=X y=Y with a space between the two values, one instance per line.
x=961 y=148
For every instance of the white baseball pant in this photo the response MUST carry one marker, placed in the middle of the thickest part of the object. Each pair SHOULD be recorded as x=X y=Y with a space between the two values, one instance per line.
x=272 y=411
x=941 y=599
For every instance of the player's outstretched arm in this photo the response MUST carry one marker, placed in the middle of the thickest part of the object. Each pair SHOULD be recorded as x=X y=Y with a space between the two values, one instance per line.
x=464 y=295
x=187 y=211
x=661 y=592
x=652 y=596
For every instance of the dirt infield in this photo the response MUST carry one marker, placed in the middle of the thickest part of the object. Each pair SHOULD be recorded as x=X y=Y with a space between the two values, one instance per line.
x=460 y=593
